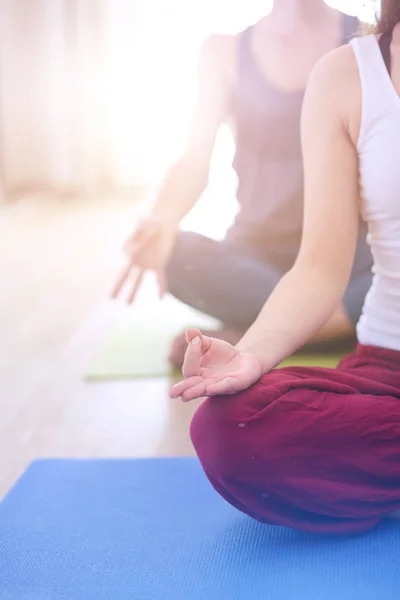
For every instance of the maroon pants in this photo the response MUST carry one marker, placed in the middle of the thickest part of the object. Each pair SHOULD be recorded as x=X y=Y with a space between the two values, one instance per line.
x=310 y=448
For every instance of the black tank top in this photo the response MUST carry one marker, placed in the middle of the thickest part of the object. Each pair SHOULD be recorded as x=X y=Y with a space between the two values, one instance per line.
x=268 y=161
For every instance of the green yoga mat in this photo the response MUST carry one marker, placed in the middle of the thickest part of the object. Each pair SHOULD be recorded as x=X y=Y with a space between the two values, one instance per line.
x=138 y=344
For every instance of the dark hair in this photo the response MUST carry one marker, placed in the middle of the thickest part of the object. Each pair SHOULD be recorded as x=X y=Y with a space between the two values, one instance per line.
x=389 y=15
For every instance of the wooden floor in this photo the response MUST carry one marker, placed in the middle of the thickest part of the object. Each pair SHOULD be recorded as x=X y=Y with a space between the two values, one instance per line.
x=58 y=259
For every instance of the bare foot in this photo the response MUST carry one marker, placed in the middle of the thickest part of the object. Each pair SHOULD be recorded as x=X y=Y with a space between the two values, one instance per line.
x=177 y=349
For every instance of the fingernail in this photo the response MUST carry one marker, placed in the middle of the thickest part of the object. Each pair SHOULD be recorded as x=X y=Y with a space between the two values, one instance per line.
x=196 y=340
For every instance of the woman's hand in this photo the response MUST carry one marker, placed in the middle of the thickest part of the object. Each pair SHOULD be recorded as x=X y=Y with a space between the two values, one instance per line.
x=148 y=249
x=214 y=367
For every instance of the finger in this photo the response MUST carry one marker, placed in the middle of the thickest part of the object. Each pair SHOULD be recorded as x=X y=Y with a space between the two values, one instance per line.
x=191 y=363
x=193 y=332
x=132 y=242
x=179 y=388
x=162 y=283
x=136 y=285
x=196 y=387
x=121 y=281
x=194 y=392
x=227 y=385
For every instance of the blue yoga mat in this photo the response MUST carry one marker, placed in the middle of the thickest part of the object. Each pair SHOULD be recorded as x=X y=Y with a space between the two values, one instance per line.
x=155 y=529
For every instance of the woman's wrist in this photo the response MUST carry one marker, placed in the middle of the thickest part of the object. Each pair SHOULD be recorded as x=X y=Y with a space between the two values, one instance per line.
x=166 y=218
x=260 y=351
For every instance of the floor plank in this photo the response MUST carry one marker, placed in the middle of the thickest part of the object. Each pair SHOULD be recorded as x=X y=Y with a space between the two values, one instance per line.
x=58 y=260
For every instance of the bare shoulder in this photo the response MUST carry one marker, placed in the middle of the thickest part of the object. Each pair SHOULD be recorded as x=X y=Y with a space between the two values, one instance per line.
x=335 y=86
x=218 y=45
x=337 y=67
x=218 y=53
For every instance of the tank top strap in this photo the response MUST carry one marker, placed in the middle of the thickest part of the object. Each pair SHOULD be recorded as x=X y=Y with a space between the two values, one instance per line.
x=378 y=94
x=244 y=57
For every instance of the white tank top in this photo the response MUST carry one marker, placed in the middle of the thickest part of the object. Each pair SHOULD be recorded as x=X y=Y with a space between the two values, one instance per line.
x=379 y=159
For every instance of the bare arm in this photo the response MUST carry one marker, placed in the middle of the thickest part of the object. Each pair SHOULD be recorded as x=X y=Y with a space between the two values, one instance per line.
x=309 y=293
x=187 y=178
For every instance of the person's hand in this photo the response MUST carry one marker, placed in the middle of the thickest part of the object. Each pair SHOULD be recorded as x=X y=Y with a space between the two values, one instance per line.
x=148 y=248
x=213 y=367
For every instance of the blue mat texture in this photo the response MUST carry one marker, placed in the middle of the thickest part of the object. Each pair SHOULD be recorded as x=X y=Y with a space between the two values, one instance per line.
x=155 y=529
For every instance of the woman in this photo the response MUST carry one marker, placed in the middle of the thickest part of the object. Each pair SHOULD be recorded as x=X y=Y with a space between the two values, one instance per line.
x=319 y=449
x=255 y=81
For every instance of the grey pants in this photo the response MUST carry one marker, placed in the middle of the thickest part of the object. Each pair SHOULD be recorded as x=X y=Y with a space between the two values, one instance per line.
x=231 y=282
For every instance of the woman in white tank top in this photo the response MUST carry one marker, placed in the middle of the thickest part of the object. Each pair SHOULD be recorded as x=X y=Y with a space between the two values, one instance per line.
x=319 y=449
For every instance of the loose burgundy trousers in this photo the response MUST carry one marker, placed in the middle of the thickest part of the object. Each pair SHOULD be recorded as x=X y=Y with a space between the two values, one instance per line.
x=310 y=448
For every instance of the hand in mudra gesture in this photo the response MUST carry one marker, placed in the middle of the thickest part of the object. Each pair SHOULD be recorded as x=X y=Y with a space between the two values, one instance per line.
x=213 y=367
x=148 y=248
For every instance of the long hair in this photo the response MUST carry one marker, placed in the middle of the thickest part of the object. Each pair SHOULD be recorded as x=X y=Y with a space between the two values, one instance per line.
x=389 y=15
